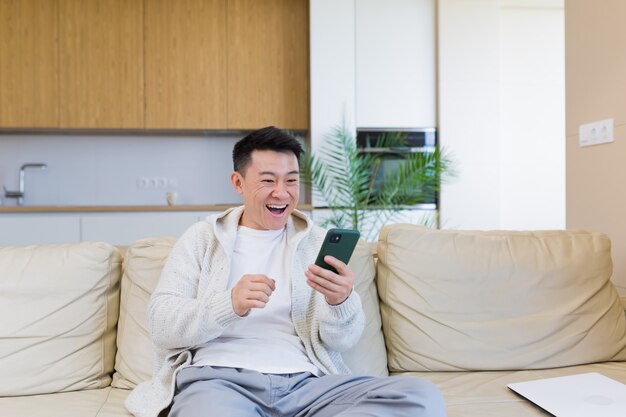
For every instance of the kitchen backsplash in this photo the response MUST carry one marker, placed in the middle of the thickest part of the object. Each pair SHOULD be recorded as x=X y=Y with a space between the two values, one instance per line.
x=119 y=169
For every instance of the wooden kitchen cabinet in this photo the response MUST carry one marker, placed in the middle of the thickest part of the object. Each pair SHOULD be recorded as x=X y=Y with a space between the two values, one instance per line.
x=101 y=49
x=186 y=64
x=268 y=61
x=226 y=64
x=29 y=63
x=154 y=64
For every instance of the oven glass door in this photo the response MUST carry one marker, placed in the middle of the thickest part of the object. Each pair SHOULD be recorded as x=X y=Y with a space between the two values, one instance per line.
x=388 y=168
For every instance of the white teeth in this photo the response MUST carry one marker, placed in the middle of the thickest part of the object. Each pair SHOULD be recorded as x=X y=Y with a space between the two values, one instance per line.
x=277 y=207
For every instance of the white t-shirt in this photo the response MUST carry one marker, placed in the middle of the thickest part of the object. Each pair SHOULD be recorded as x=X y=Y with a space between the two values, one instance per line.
x=265 y=340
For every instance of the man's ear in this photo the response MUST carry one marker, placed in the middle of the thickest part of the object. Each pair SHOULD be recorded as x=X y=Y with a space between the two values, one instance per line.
x=237 y=180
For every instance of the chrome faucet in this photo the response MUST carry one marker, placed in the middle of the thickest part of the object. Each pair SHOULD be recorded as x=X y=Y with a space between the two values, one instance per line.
x=20 y=193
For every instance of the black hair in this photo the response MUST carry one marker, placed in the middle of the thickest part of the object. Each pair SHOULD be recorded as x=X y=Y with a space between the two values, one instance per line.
x=269 y=138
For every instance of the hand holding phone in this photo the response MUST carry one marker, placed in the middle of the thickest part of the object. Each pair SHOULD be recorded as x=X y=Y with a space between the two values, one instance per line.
x=330 y=275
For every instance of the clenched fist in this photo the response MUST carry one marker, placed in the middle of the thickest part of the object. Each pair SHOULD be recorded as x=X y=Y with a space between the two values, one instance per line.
x=251 y=291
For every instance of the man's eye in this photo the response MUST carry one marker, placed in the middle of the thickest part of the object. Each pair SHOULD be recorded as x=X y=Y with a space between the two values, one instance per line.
x=292 y=181
x=268 y=181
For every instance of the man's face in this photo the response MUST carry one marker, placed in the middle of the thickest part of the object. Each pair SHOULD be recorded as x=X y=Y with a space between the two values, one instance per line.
x=270 y=186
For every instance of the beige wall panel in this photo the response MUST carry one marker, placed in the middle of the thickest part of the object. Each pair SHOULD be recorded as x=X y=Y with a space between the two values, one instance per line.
x=595 y=90
x=595 y=62
x=596 y=194
x=28 y=63
x=268 y=61
x=101 y=83
x=186 y=64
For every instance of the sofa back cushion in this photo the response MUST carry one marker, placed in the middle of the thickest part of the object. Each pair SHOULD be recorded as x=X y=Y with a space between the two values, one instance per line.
x=143 y=263
x=463 y=300
x=59 y=306
x=369 y=356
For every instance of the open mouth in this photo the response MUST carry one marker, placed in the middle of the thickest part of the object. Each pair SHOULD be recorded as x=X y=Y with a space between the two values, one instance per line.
x=276 y=209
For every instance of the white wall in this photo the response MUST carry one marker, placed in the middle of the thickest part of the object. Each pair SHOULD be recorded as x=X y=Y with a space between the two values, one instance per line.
x=469 y=104
x=501 y=113
x=104 y=169
x=532 y=118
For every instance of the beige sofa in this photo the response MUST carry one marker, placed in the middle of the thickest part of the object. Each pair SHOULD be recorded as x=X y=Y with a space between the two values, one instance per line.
x=471 y=311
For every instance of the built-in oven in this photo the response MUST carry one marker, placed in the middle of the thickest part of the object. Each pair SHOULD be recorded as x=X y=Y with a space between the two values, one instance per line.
x=391 y=147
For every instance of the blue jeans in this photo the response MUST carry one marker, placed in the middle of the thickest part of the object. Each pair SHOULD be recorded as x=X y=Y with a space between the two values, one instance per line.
x=215 y=391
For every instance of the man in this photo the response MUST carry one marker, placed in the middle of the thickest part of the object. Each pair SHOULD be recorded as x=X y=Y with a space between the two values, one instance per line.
x=244 y=324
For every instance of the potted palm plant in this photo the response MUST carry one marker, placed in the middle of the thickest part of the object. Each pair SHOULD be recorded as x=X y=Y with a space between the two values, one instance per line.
x=357 y=194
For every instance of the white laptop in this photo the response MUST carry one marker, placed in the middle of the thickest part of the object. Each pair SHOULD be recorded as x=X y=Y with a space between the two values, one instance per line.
x=583 y=395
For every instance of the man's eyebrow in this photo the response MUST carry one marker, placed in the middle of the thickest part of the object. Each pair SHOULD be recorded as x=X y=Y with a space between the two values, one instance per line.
x=274 y=174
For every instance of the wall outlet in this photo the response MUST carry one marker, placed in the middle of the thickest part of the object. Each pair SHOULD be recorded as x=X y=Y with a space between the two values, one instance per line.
x=595 y=133
x=142 y=182
x=154 y=183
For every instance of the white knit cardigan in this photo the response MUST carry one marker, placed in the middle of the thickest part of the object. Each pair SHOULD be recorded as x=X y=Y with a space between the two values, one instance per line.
x=192 y=305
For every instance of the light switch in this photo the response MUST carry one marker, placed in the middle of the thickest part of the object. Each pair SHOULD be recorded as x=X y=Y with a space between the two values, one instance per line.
x=595 y=133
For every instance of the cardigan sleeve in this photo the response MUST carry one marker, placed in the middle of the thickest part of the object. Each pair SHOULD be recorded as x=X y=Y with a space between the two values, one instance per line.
x=341 y=325
x=178 y=317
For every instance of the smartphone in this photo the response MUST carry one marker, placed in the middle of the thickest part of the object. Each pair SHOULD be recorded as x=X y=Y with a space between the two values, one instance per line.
x=339 y=243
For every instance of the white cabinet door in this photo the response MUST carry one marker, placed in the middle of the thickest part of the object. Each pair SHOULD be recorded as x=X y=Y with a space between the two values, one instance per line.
x=38 y=229
x=395 y=63
x=126 y=228
x=332 y=67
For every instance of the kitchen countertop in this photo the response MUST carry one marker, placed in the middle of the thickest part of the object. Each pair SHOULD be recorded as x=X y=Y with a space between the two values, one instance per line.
x=113 y=209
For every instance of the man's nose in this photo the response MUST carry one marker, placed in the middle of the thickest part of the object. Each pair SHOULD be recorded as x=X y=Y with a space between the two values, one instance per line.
x=280 y=190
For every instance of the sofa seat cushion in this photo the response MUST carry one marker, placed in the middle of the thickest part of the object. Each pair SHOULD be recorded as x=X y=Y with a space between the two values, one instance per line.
x=103 y=402
x=464 y=300
x=59 y=306
x=485 y=394
x=143 y=263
